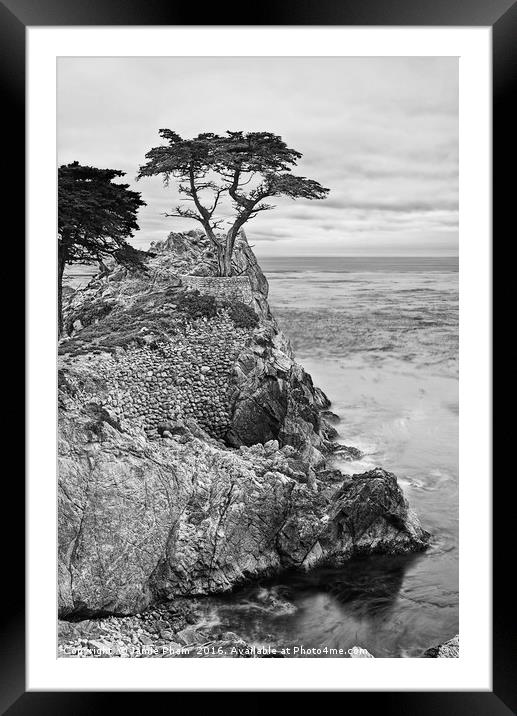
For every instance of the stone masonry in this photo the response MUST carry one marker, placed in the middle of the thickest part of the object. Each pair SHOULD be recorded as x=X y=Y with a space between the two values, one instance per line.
x=234 y=288
x=174 y=380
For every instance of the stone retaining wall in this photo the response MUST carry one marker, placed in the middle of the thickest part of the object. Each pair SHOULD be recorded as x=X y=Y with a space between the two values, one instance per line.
x=231 y=288
x=187 y=378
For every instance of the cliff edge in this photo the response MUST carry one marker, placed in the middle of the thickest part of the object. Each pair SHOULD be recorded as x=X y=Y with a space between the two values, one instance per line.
x=193 y=448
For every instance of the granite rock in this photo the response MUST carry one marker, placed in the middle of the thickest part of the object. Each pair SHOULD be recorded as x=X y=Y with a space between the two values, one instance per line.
x=141 y=521
x=192 y=452
x=447 y=650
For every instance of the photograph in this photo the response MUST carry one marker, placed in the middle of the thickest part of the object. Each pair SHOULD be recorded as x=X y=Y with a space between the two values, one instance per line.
x=258 y=334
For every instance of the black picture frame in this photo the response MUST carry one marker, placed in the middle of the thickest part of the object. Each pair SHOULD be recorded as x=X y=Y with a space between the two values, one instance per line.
x=501 y=15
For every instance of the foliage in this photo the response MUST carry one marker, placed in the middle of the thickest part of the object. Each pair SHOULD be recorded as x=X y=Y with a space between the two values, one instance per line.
x=96 y=215
x=89 y=313
x=242 y=315
x=246 y=167
x=125 y=325
x=122 y=326
x=107 y=326
x=196 y=305
x=131 y=258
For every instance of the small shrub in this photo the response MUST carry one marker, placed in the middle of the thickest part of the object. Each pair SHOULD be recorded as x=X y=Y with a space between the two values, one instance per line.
x=196 y=305
x=122 y=340
x=242 y=315
x=88 y=314
x=73 y=347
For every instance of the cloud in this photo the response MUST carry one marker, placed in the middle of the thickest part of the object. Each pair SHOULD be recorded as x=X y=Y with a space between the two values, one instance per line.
x=401 y=205
x=381 y=133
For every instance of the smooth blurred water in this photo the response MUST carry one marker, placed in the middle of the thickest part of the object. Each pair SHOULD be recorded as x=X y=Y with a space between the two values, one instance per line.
x=380 y=336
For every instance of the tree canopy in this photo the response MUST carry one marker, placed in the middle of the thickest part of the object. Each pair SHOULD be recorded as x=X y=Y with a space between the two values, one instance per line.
x=247 y=167
x=96 y=216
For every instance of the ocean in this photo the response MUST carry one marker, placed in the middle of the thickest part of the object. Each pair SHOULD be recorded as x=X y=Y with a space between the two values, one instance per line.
x=380 y=336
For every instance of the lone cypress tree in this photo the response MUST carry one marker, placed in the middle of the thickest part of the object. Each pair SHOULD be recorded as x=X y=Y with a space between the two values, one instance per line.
x=248 y=167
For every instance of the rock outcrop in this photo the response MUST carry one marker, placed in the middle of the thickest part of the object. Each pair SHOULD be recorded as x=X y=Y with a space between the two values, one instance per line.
x=192 y=452
x=448 y=650
x=273 y=398
x=171 y=630
x=141 y=521
x=168 y=358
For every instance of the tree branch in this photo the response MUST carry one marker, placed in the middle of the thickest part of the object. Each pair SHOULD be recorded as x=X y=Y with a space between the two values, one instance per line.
x=202 y=210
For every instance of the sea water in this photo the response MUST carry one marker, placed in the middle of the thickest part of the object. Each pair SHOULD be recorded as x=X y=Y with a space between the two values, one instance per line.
x=380 y=337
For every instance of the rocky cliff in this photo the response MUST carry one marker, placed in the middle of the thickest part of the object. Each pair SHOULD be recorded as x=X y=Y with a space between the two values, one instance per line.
x=193 y=448
x=448 y=650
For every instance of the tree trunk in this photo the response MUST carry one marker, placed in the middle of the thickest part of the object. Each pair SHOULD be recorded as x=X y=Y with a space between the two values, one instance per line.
x=220 y=260
x=219 y=248
x=228 y=253
x=60 y=269
x=227 y=263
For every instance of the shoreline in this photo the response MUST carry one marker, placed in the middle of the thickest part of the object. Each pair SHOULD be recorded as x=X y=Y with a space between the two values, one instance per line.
x=318 y=477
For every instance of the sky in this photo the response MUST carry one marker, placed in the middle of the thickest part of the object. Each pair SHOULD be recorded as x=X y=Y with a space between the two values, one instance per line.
x=380 y=133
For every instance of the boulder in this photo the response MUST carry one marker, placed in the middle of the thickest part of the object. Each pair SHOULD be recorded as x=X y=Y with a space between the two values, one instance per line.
x=170 y=428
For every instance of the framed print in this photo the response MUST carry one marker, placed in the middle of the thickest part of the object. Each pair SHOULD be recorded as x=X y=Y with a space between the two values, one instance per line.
x=264 y=337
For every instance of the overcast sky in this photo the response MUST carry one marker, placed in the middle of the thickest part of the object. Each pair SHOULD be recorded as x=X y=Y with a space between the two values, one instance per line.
x=381 y=133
